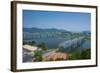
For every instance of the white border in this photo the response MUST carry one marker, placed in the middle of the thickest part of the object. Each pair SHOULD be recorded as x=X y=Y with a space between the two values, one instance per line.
x=21 y=65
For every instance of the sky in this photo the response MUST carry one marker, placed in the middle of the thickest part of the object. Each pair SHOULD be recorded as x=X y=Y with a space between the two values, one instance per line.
x=70 y=21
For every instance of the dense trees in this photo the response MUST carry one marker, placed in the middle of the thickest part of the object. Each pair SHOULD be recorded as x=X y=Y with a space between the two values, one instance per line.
x=74 y=56
x=38 y=55
x=84 y=54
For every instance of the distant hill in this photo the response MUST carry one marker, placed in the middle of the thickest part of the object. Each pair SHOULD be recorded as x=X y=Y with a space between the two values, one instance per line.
x=30 y=33
x=86 y=33
x=34 y=30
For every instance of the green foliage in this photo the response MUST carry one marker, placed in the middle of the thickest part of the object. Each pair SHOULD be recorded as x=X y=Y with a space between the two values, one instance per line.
x=43 y=46
x=38 y=55
x=74 y=56
x=86 y=54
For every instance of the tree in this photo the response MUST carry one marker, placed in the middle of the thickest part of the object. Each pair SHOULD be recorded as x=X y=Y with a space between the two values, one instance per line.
x=32 y=43
x=43 y=46
x=86 y=54
x=38 y=55
x=74 y=56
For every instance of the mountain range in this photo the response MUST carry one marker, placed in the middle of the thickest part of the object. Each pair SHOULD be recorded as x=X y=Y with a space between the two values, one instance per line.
x=34 y=30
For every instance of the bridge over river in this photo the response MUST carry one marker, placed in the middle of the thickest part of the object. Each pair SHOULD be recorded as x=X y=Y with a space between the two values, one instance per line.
x=71 y=44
